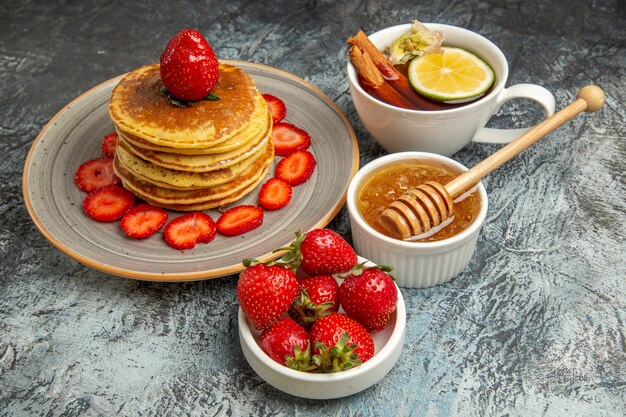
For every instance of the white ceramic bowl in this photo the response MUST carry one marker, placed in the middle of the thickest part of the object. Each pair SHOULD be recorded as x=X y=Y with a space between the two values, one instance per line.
x=416 y=264
x=388 y=346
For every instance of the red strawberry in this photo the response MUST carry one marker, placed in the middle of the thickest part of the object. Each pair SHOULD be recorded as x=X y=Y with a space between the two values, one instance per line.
x=108 y=203
x=319 y=296
x=275 y=194
x=340 y=343
x=94 y=174
x=143 y=221
x=189 y=68
x=185 y=231
x=321 y=252
x=296 y=168
x=289 y=139
x=288 y=344
x=265 y=292
x=108 y=144
x=239 y=220
x=369 y=296
x=276 y=106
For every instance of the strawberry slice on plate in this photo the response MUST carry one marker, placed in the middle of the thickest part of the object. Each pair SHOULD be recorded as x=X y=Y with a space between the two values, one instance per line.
x=240 y=219
x=96 y=173
x=275 y=194
x=143 y=221
x=108 y=203
x=277 y=108
x=108 y=144
x=289 y=139
x=185 y=231
x=296 y=168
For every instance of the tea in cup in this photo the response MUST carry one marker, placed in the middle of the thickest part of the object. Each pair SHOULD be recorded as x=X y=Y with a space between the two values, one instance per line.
x=444 y=130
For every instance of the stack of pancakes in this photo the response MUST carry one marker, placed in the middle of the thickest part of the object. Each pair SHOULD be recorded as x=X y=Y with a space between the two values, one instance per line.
x=201 y=156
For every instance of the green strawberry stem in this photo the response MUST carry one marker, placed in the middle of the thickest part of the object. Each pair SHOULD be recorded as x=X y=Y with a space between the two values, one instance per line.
x=183 y=103
x=300 y=361
x=358 y=269
x=293 y=255
x=306 y=312
x=291 y=260
x=338 y=358
x=251 y=262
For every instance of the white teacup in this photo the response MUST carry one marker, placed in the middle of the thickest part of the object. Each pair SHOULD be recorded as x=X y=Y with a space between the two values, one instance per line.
x=444 y=131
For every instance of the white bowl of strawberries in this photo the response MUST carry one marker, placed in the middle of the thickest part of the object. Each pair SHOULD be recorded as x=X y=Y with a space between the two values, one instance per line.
x=320 y=322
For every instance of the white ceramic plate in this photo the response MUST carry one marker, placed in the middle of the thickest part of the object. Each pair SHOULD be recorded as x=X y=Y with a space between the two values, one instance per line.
x=74 y=135
x=388 y=344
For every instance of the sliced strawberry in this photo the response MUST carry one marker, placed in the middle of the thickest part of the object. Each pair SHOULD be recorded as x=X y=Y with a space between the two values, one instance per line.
x=108 y=203
x=96 y=173
x=185 y=231
x=276 y=106
x=108 y=144
x=239 y=220
x=289 y=139
x=274 y=194
x=296 y=168
x=143 y=221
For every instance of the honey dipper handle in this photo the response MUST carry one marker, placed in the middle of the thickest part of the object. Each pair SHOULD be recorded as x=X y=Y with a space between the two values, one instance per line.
x=589 y=99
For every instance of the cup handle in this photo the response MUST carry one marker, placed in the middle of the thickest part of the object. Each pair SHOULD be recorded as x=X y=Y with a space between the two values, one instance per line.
x=531 y=91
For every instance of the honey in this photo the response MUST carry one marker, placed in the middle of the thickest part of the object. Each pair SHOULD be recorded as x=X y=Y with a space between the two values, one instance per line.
x=386 y=184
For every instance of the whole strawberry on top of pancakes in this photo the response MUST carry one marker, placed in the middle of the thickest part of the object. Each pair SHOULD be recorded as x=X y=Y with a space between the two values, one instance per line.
x=189 y=68
x=194 y=133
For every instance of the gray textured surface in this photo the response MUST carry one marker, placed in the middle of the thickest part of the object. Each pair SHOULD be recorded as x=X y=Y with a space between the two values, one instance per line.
x=534 y=326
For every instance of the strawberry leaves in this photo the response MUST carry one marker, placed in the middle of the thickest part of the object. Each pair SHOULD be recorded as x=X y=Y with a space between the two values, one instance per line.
x=184 y=103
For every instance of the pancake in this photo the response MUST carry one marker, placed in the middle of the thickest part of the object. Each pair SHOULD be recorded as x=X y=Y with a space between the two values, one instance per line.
x=199 y=199
x=210 y=203
x=260 y=122
x=179 y=180
x=138 y=107
x=199 y=163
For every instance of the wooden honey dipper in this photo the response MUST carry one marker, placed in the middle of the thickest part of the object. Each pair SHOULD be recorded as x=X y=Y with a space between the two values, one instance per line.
x=421 y=208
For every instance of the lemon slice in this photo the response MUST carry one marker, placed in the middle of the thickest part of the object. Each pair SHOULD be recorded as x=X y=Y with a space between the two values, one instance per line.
x=454 y=76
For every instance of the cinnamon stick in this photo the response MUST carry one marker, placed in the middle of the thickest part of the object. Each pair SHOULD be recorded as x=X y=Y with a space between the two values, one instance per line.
x=373 y=82
x=391 y=74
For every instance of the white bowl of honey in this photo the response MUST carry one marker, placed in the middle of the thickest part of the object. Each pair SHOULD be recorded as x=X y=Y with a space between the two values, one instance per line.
x=428 y=259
